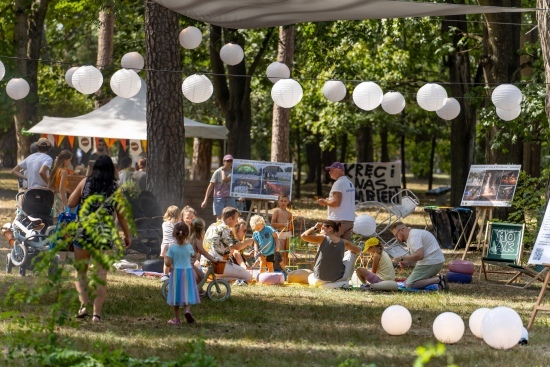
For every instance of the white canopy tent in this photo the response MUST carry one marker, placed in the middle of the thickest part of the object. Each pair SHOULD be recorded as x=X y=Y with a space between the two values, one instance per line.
x=241 y=14
x=121 y=118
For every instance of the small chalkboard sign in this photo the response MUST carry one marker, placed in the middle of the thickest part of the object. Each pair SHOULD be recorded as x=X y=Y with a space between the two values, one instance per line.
x=505 y=242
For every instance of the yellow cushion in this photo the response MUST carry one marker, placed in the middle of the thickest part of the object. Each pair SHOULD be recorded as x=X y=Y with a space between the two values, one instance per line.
x=385 y=285
x=299 y=276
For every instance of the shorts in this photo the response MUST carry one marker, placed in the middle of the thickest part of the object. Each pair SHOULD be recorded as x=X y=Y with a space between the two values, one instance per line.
x=270 y=258
x=164 y=248
x=220 y=203
x=285 y=235
x=421 y=272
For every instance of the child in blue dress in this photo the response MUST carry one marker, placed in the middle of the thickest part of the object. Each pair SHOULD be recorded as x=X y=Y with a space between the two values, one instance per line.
x=182 y=286
x=264 y=242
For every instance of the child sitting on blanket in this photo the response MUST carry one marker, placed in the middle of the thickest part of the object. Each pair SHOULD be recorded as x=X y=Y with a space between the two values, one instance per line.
x=382 y=266
x=265 y=238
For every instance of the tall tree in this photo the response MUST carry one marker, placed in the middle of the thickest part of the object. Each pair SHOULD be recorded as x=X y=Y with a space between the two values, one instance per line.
x=105 y=46
x=165 y=130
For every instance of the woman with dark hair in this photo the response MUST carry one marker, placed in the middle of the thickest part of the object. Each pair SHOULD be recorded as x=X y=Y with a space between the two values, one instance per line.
x=101 y=182
x=58 y=181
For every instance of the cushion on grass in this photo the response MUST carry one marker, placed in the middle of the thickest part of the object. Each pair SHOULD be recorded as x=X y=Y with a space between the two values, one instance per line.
x=453 y=277
x=461 y=266
x=154 y=265
x=385 y=285
x=299 y=276
x=271 y=278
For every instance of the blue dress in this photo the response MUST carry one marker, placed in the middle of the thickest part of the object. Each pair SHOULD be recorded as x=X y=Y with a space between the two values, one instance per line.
x=182 y=286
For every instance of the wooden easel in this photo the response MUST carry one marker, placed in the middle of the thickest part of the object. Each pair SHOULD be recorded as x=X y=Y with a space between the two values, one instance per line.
x=538 y=307
x=256 y=207
x=482 y=213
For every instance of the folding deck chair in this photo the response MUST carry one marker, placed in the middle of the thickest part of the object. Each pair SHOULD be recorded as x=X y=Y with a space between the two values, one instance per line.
x=536 y=272
x=504 y=247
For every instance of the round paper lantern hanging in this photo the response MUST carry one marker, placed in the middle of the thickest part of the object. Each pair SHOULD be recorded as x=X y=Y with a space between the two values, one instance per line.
x=431 y=97
x=69 y=76
x=132 y=60
x=509 y=115
x=396 y=320
x=2 y=70
x=450 y=109
x=197 y=88
x=506 y=97
x=232 y=54
x=365 y=225
x=501 y=328
x=286 y=93
x=125 y=83
x=334 y=90
x=367 y=96
x=448 y=328
x=475 y=320
x=277 y=71
x=87 y=79
x=17 y=88
x=190 y=37
x=393 y=103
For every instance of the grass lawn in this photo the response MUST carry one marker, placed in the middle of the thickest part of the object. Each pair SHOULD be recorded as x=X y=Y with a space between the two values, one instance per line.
x=289 y=325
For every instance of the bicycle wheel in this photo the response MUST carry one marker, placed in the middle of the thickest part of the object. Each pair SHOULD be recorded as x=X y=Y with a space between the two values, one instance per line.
x=164 y=289
x=9 y=264
x=18 y=253
x=218 y=290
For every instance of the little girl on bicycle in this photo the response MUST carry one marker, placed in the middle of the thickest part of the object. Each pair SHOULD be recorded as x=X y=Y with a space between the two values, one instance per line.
x=182 y=286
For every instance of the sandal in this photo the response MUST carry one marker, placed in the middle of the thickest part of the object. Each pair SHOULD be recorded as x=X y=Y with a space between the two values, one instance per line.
x=174 y=321
x=82 y=312
x=189 y=318
x=444 y=282
x=96 y=318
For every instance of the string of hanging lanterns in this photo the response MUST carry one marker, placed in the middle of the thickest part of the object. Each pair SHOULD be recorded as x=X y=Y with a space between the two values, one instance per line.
x=286 y=92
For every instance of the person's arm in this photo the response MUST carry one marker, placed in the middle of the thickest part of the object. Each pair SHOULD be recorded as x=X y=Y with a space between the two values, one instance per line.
x=16 y=171
x=226 y=178
x=256 y=249
x=76 y=195
x=415 y=256
x=308 y=235
x=375 y=262
x=276 y=240
x=351 y=247
x=167 y=261
x=63 y=187
x=334 y=201
x=124 y=224
x=207 y=195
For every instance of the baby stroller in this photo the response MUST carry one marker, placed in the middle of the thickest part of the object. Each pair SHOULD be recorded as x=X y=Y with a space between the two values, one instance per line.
x=31 y=227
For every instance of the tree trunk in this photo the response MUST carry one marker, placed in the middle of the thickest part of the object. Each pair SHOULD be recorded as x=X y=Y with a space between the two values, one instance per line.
x=165 y=130
x=363 y=144
x=202 y=156
x=313 y=160
x=384 y=153
x=9 y=148
x=280 y=133
x=543 y=21
x=105 y=51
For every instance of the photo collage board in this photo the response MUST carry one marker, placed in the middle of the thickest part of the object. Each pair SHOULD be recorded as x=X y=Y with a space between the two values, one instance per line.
x=260 y=179
x=491 y=185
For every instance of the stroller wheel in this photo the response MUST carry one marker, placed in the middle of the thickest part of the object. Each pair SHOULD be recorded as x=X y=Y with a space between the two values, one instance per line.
x=9 y=264
x=18 y=253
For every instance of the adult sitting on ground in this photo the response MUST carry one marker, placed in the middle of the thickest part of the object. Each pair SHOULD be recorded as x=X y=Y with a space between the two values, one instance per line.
x=220 y=241
x=425 y=251
x=329 y=261
x=36 y=166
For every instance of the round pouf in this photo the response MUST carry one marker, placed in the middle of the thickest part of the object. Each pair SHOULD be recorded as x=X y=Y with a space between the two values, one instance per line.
x=461 y=266
x=453 y=277
x=154 y=265
x=271 y=278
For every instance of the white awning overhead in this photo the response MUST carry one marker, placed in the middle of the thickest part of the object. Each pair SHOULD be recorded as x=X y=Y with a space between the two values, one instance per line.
x=121 y=118
x=242 y=14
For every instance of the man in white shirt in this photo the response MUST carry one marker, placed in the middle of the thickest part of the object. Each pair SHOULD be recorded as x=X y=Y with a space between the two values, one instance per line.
x=36 y=166
x=341 y=200
x=425 y=251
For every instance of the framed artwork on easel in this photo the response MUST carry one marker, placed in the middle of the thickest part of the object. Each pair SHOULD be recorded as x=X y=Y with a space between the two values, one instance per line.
x=491 y=185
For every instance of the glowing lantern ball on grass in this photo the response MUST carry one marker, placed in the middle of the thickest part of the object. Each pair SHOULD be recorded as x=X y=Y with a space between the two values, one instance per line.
x=367 y=96
x=190 y=37
x=334 y=90
x=287 y=93
x=501 y=328
x=506 y=97
x=448 y=328
x=365 y=225
x=2 y=70
x=431 y=97
x=132 y=60
x=17 y=88
x=450 y=109
x=232 y=54
x=87 y=79
x=396 y=320
x=69 y=76
x=197 y=88
x=475 y=321
x=393 y=103
x=125 y=83
x=277 y=71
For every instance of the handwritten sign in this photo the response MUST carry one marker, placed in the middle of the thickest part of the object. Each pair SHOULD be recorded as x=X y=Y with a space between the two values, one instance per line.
x=261 y=179
x=505 y=241
x=490 y=185
x=541 y=250
x=374 y=181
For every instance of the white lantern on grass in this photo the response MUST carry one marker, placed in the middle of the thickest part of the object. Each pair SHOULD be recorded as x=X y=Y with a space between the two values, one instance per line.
x=509 y=115
x=365 y=225
x=501 y=328
x=396 y=320
x=132 y=60
x=393 y=103
x=334 y=90
x=506 y=97
x=448 y=328
x=69 y=76
x=2 y=70
x=367 y=96
x=287 y=93
x=190 y=37
x=125 y=83
x=431 y=97
x=450 y=109
x=87 y=79
x=197 y=88
x=277 y=71
x=232 y=54
x=475 y=321
x=17 y=88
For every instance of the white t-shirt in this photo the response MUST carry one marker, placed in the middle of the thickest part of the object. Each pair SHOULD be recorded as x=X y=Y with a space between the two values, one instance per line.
x=419 y=238
x=32 y=165
x=346 y=210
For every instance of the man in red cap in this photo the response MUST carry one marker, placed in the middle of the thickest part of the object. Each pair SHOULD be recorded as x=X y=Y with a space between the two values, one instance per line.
x=341 y=200
x=221 y=184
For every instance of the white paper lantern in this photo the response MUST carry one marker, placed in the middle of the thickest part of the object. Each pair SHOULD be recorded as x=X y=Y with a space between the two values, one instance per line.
x=2 y=70
x=197 y=88
x=17 y=88
x=87 y=79
x=450 y=109
x=132 y=60
x=365 y=225
x=367 y=96
x=475 y=321
x=334 y=90
x=125 y=83
x=431 y=97
x=232 y=54
x=69 y=76
x=287 y=93
x=448 y=328
x=506 y=97
x=277 y=71
x=393 y=103
x=509 y=115
x=190 y=37
x=396 y=320
x=501 y=328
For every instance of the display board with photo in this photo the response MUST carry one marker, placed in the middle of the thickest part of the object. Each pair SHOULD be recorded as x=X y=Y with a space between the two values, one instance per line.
x=491 y=185
x=374 y=181
x=260 y=179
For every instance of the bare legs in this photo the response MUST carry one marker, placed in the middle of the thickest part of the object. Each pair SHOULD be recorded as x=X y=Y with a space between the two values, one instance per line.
x=82 y=258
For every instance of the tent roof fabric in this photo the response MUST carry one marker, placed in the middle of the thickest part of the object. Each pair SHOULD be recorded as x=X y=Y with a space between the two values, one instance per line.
x=242 y=14
x=121 y=118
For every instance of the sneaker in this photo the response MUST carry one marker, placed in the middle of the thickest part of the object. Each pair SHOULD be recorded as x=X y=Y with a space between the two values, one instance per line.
x=241 y=282
x=364 y=287
x=164 y=278
x=444 y=282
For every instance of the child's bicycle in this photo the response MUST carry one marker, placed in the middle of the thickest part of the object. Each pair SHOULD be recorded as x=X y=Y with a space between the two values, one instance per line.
x=218 y=290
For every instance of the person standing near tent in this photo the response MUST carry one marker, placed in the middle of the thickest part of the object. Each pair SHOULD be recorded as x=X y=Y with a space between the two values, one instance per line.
x=100 y=150
x=36 y=166
x=221 y=184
